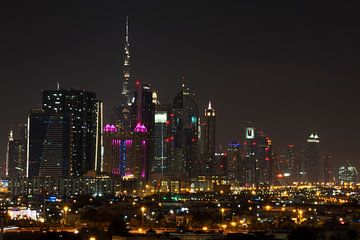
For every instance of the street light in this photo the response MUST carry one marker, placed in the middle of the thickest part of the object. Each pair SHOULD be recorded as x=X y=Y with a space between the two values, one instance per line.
x=66 y=209
x=222 y=214
x=142 y=215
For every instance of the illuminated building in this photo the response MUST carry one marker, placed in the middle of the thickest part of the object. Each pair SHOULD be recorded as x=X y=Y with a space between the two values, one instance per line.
x=16 y=164
x=311 y=169
x=257 y=160
x=293 y=164
x=126 y=153
x=94 y=186
x=147 y=119
x=121 y=115
x=185 y=134
x=348 y=174
x=75 y=119
x=162 y=142
x=208 y=140
x=233 y=156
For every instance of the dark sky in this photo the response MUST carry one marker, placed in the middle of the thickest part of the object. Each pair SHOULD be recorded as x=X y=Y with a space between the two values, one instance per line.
x=287 y=67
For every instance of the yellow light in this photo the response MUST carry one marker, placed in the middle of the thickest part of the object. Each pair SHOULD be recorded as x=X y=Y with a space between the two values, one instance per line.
x=222 y=210
x=140 y=230
x=205 y=228
x=66 y=208
x=223 y=226
x=267 y=207
x=233 y=224
x=92 y=238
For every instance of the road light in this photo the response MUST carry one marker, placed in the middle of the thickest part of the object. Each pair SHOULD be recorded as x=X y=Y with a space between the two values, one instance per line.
x=142 y=215
x=66 y=209
x=222 y=214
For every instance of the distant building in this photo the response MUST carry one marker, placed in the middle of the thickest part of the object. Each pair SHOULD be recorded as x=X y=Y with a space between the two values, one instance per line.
x=38 y=122
x=348 y=174
x=328 y=170
x=125 y=153
x=161 y=164
x=209 y=141
x=185 y=133
x=233 y=156
x=16 y=161
x=257 y=163
x=65 y=136
x=121 y=115
x=311 y=169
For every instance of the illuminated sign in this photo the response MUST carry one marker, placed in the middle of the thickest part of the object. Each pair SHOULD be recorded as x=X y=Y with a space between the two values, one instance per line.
x=250 y=133
x=160 y=117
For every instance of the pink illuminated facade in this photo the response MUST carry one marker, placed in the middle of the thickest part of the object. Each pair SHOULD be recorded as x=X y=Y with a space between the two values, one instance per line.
x=125 y=154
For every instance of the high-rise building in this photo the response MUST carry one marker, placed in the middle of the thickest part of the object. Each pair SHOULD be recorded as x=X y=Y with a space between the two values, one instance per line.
x=312 y=165
x=38 y=122
x=148 y=120
x=257 y=160
x=328 y=170
x=56 y=152
x=16 y=164
x=185 y=134
x=233 y=156
x=162 y=142
x=121 y=115
x=208 y=136
x=126 y=153
x=348 y=174
x=78 y=115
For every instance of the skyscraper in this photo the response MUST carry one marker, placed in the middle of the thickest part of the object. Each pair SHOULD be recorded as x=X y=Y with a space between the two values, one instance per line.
x=233 y=156
x=207 y=143
x=76 y=113
x=185 y=134
x=162 y=142
x=121 y=115
x=38 y=122
x=16 y=164
x=312 y=164
x=257 y=159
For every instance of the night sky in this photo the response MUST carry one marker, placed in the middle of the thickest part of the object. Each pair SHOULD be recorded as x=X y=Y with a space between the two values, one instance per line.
x=287 y=67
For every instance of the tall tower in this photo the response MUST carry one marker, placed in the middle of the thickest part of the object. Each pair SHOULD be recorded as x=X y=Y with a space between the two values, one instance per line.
x=185 y=134
x=209 y=139
x=126 y=71
x=121 y=115
x=312 y=164
x=16 y=152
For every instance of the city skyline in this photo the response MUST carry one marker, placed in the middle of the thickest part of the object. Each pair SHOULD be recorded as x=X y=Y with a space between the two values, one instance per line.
x=96 y=65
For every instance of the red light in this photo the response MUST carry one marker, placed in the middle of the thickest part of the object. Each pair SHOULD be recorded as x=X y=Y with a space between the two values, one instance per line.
x=167 y=140
x=245 y=143
x=267 y=149
x=280 y=175
x=291 y=145
x=137 y=82
x=171 y=138
x=172 y=115
x=267 y=159
x=193 y=140
x=254 y=143
x=167 y=122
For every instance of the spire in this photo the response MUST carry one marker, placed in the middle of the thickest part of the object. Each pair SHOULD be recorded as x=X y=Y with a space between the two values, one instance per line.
x=209 y=106
x=126 y=70
x=11 y=135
